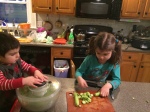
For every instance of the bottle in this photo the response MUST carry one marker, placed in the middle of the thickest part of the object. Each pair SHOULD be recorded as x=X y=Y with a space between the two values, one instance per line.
x=71 y=37
x=67 y=33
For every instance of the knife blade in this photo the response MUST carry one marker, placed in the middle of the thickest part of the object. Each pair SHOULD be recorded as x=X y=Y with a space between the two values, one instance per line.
x=95 y=83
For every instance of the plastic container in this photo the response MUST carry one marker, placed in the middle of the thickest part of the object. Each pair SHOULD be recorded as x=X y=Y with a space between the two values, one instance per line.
x=61 y=68
x=71 y=37
x=35 y=103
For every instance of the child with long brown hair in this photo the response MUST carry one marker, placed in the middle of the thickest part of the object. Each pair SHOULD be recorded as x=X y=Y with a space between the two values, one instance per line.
x=104 y=55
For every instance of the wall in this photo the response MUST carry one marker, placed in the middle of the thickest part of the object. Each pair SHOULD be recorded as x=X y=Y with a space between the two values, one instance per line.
x=70 y=20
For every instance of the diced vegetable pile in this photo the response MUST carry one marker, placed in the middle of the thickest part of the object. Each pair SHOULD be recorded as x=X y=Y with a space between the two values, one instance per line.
x=85 y=97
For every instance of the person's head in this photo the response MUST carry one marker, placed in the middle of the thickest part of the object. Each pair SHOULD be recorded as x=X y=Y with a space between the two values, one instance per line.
x=9 y=48
x=106 y=48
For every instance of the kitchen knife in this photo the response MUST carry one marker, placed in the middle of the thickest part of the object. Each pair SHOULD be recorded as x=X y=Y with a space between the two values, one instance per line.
x=95 y=83
x=99 y=85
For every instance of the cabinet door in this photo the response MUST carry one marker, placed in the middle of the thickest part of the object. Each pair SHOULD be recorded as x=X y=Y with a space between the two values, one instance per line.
x=144 y=72
x=72 y=69
x=144 y=69
x=146 y=13
x=65 y=6
x=42 y=5
x=129 y=71
x=131 y=8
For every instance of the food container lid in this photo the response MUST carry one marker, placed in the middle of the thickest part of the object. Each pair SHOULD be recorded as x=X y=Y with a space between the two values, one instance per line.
x=53 y=89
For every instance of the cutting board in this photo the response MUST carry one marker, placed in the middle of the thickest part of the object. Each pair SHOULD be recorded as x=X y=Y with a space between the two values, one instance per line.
x=98 y=104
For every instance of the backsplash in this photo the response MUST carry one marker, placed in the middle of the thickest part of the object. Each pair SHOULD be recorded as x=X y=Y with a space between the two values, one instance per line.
x=70 y=20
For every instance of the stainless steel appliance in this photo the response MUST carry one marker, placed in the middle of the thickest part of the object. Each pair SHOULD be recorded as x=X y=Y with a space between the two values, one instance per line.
x=106 y=9
x=81 y=46
x=141 y=43
x=141 y=38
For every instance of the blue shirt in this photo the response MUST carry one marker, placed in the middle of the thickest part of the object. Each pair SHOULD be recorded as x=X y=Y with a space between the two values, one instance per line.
x=91 y=69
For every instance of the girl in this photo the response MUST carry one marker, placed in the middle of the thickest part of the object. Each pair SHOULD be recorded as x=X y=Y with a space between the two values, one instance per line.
x=103 y=59
x=11 y=71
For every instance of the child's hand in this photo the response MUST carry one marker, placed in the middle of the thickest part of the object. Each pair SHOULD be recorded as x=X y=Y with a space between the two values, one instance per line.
x=105 y=90
x=31 y=81
x=39 y=75
x=82 y=82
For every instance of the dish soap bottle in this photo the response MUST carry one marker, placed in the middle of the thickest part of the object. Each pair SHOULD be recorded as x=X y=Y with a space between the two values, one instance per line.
x=71 y=37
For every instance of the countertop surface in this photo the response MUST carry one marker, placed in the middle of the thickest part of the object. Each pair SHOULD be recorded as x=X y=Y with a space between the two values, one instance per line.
x=129 y=48
x=46 y=44
x=130 y=97
x=125 y=47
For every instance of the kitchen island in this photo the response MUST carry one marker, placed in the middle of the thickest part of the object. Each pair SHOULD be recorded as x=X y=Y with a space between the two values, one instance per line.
x=130 y=97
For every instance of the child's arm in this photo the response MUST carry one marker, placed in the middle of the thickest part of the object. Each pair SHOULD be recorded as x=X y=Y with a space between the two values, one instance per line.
x=115 y=82
x=28 y=68
x=31 y=70
x=9 y=84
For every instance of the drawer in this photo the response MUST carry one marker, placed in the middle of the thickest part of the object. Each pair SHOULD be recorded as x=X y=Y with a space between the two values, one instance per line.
x=131 y=56
x=61 y=52
x=146 y=57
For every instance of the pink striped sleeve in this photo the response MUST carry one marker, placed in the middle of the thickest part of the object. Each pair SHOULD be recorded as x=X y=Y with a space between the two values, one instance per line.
x=28 y=68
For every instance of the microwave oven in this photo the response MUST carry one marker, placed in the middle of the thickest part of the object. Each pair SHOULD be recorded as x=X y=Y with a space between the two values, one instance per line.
x=98 y=9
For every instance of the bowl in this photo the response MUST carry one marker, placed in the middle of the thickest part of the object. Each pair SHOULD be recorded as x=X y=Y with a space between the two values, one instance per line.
x=31 y=101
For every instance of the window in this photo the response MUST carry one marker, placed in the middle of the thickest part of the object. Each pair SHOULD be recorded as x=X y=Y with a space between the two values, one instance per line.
x=18 y=11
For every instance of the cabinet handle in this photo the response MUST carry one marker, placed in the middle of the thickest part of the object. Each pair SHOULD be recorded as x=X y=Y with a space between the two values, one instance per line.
x=129 y=57
x=49 y=7
x=61 y=53
x=57 y=8
x=145 y=13
x=142 y=66
x=134 y=66
x=138 y=12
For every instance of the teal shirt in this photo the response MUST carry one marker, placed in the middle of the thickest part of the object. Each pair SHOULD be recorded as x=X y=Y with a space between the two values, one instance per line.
x=91 y=69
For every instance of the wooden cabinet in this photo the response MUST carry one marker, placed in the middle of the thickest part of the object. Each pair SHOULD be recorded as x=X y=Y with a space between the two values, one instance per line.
x=54 y=6
x=135 y=67
x=130 y=65
x=146 y=12
x=144 y=69
x=62 y=53
x=65 y=6
x=136 y=9
x=42 y=6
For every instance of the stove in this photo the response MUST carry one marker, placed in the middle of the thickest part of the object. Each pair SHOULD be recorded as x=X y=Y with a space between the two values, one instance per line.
x=82 y=35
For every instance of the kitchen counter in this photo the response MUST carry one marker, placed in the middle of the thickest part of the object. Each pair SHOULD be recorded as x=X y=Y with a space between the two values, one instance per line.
x=130 y=97
x=129 y=48
x=125 y=47
x=46 y=44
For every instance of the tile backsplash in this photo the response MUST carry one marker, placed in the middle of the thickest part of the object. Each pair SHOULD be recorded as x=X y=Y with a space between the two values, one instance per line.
x=71 y=20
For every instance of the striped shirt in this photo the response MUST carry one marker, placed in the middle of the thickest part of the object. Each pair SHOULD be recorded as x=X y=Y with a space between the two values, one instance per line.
x=9 y=84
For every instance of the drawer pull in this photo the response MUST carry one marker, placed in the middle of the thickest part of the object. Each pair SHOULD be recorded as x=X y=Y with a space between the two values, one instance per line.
x=134 y=66
x=142 y=66
x=61 y=53
x=129 y=57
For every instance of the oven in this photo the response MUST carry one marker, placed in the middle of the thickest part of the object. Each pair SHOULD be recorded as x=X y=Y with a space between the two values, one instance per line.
x=82 y=35
x=34 y=55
